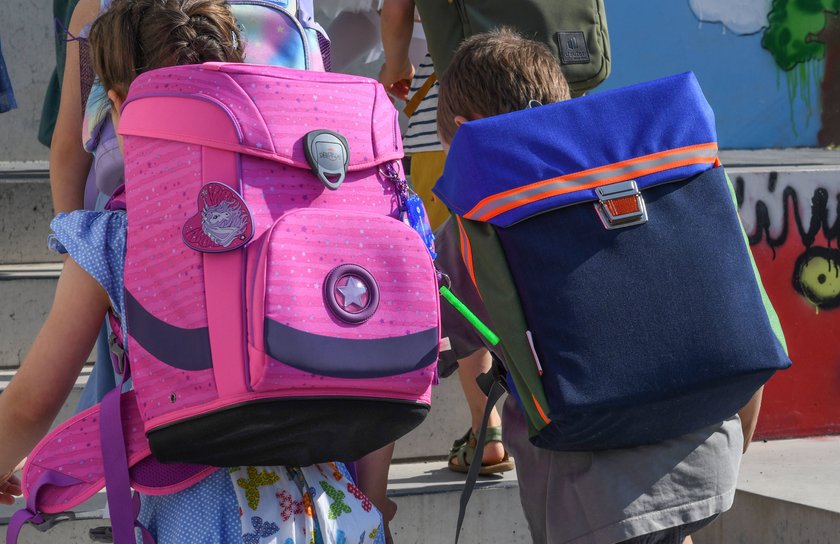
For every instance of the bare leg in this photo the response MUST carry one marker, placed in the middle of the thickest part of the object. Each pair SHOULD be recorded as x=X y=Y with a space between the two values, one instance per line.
x=372 y=476
x=469 y=368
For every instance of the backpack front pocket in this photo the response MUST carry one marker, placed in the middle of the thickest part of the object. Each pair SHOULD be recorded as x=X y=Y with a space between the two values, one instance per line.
x=340 y=295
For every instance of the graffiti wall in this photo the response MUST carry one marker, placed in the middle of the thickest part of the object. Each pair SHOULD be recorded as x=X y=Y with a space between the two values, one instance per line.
x=791 y=218
x=768 y=67
x=771 y=71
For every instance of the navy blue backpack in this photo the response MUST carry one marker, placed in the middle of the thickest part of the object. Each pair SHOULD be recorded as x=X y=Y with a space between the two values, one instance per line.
x=603 y=237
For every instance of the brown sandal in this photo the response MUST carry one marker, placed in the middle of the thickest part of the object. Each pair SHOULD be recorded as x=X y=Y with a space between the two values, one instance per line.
x=463 y=450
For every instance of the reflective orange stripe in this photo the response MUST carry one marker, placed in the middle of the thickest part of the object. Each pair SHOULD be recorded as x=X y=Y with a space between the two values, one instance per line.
x=629 y=169
x=466 y=250
x=539 y=409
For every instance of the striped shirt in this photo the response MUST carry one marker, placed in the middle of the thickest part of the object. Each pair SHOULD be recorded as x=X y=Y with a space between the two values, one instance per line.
x=421 y=134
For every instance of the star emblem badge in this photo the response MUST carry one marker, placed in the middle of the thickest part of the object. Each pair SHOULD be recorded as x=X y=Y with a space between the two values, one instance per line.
x=351 y=293
x=354 y=292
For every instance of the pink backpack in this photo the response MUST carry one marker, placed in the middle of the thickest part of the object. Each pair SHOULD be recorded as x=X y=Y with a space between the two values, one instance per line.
x=279 y=312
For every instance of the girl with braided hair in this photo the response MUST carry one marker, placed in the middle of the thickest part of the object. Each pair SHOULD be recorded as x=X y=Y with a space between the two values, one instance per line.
x=318 y=504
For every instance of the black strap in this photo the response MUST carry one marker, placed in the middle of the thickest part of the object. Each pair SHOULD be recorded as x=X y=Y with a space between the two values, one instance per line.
x=496 y=374
x=496 y=391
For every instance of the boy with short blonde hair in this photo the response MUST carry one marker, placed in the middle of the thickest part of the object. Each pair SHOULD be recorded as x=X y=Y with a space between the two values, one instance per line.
x=494 y=73
x=659 y=493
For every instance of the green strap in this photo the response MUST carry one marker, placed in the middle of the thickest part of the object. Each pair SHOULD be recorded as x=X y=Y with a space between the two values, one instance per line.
x=485 y=331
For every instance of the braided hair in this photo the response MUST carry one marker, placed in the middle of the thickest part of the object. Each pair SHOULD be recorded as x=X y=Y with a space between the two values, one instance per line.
x=135 y=36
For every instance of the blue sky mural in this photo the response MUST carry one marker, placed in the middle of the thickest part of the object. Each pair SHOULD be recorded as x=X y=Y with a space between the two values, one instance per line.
x=756 y=104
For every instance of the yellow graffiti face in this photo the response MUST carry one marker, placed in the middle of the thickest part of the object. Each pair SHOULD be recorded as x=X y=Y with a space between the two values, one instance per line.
x=818 y=276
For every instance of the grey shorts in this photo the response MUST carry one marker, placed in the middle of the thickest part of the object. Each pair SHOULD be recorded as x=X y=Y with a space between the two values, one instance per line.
x=672 y=535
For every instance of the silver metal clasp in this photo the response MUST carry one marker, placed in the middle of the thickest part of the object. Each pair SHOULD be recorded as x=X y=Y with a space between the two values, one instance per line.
x=620 y=205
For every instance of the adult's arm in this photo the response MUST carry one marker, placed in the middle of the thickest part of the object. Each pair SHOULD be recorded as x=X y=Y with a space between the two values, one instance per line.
x=397 y=25
x=69 y=162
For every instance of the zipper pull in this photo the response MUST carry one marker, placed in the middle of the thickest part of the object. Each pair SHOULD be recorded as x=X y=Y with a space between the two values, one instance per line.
x=412 y=211
x=389 y=172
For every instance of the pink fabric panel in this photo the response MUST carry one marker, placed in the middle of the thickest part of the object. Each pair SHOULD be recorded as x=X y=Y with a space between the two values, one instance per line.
x=272 y=189
x=156 y=382
x=174 y=118
x=224 y=276
x=346 y=109
x=285 y=381
x=74 y=449
x=161 y=272
x=274 y=107
x=307 y=245
x=183 y=81
x=386 y=127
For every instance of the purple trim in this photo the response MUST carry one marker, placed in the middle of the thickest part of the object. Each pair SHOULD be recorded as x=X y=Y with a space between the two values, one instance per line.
x=187 y=349
x=348 y=358
x=332 y=292
x=49 y=478
x=244 y=283
x=117 y=200
x=115 y=465
x=19 y=519
x=260 y=247
x=145 y=536
x=151 y=473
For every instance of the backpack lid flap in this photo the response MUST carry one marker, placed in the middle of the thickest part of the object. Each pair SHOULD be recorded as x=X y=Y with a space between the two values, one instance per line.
x=507 y=168
x=263 y=111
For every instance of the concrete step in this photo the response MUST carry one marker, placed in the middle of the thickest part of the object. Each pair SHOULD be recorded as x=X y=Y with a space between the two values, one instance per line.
x=787 y=494
x=25 y=213
x=26 y=205
x=26 y=295
x=793 y=157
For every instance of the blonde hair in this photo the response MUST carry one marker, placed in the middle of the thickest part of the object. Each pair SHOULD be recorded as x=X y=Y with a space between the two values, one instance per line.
x=497 y=72
x=134 y=36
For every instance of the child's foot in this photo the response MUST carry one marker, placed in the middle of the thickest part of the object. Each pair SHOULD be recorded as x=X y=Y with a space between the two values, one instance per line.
x=494 y=458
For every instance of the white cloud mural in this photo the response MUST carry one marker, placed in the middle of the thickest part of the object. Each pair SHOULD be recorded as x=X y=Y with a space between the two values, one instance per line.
x=738 y=16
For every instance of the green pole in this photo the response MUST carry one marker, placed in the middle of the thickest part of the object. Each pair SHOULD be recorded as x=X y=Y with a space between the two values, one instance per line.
x=469 y=316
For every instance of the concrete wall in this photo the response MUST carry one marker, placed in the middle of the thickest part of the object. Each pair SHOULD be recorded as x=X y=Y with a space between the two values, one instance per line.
x=26 y=32
x=759 y=103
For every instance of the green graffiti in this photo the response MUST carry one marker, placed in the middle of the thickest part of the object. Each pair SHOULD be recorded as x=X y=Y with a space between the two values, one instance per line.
x=793 y=37
x=799 y=82
x=792 y=33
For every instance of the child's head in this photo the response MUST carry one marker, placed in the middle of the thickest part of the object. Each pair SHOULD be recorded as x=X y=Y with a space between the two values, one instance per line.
x=493 y=73
x=135 y=36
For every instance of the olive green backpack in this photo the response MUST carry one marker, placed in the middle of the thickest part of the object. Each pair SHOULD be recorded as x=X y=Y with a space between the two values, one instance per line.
x=574 y=30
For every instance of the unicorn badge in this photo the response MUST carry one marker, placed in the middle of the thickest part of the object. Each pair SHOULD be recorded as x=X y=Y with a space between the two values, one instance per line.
x=223 y=223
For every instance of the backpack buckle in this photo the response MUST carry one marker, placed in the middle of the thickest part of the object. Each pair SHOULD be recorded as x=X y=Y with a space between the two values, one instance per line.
x=328 y=154
x=620 y=205
x=117 y=353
